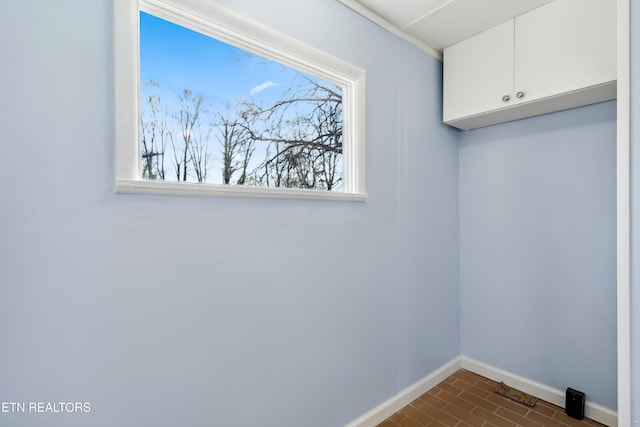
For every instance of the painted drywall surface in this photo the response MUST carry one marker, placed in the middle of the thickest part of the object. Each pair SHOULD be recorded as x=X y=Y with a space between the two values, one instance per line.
x=190 y=311
x=635 y=211
x=421 y=225
x=537 y=249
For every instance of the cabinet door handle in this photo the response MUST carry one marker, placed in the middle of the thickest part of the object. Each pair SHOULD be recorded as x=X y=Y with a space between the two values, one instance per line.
x=520 y=95
x=506 y=98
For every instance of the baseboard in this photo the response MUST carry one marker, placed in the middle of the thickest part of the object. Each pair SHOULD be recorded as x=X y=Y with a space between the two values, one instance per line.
x=406 y=396
x=557 y=397
x=394 y=404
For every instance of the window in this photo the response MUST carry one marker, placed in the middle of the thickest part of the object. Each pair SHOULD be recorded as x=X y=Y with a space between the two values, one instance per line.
x=210 y=103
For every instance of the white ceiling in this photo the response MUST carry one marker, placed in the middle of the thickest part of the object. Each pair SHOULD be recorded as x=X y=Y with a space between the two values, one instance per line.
x=438 y=24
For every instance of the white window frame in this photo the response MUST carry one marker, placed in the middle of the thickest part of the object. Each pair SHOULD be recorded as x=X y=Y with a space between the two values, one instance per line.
x=213 y=20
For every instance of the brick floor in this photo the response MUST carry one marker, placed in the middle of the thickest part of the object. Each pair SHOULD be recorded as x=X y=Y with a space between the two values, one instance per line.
x=466 y=399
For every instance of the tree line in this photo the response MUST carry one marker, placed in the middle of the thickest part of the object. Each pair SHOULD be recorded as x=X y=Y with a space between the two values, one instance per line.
x=294 y=142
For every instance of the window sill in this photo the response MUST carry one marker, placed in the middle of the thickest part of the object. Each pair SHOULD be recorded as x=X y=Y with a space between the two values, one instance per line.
x=194 y=189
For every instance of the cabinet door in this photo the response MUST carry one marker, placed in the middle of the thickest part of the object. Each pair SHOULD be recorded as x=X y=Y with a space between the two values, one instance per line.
x=478 y=73
x=564 y=46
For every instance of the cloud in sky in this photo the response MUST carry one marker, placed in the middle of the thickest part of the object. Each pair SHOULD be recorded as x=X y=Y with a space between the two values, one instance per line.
x=262 y=86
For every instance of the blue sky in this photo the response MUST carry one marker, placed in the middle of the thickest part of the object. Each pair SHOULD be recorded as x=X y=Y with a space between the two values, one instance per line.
x=178 y=58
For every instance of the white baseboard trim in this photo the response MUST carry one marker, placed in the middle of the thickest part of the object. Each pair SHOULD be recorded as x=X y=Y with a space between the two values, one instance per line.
x=394 y=404
x=406 y=396
x=592 y=410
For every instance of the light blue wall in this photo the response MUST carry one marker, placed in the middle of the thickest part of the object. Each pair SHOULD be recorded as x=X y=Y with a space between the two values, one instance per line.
x=635 y=211
x=166 y=311
x=426 y=171
x=537 y=249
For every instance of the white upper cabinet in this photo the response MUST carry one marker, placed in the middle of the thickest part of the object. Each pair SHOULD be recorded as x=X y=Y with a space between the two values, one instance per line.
x=565 y=45
x=558 y=56
x=479 y=73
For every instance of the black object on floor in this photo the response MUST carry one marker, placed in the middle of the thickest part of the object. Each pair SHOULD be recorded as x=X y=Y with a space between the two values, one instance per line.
x=574 y=404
